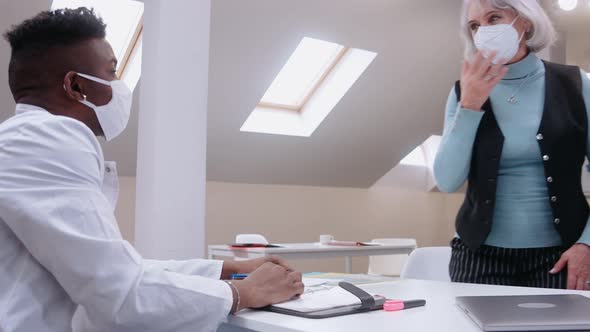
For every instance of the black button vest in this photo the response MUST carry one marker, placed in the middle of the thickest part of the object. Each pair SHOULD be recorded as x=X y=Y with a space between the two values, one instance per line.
x=562 y=138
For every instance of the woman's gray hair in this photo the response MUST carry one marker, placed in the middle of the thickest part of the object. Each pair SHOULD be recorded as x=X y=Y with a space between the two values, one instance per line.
x=541 y=35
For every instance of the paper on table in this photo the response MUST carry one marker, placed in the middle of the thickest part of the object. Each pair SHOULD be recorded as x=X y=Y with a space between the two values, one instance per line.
x=352 y=243
x=314 y=301
x=312 y=282
x=316 y=284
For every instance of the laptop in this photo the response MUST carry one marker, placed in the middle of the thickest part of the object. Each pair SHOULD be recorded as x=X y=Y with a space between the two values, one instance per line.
x=528 y=313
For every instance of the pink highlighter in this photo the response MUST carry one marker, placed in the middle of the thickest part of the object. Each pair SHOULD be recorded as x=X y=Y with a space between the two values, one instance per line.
x=393 y=305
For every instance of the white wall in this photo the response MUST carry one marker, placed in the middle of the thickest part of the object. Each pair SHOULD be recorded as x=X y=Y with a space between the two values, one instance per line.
x=297 y=213
x=12 y=12
x=578 y=48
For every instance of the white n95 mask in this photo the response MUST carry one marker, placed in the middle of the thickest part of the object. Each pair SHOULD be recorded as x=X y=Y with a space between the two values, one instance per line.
x=114 y=116
x=502 y=38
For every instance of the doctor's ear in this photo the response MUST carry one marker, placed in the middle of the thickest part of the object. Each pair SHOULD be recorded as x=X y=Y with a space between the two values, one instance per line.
x=72 y=86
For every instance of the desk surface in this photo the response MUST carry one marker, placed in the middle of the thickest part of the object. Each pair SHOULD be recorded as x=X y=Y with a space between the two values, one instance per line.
x=439 y=314
x=310 y=248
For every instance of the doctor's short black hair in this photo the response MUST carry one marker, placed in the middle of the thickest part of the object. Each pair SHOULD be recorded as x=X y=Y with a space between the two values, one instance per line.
x=59 y=27
x=34 y=38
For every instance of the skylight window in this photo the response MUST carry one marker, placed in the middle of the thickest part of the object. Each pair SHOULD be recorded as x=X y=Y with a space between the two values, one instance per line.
x=308 y=65
x=124 y=20
x=423 y=155
x=312 y=82
x=415 y=158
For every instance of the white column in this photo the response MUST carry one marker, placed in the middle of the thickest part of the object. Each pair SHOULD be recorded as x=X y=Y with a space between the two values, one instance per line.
x=171 y=160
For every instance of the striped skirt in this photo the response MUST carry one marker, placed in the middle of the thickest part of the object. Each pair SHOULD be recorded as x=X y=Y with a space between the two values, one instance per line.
x=527 y=267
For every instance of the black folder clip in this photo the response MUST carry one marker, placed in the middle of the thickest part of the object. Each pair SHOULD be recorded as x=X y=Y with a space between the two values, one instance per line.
x=368 y=303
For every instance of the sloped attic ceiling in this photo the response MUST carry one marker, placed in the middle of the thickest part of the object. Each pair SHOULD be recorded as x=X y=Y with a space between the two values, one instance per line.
x=396 y=104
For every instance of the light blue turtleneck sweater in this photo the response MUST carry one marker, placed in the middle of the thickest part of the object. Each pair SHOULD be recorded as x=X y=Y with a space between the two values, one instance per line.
x=522 y=214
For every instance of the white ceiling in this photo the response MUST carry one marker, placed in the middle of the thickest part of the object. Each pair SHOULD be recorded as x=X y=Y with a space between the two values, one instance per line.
x=393 y=107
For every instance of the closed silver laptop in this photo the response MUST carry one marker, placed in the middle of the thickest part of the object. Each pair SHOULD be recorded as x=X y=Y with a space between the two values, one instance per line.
x=528 y=313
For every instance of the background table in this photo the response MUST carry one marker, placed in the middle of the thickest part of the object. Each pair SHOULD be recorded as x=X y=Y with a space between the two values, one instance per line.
x=440 y=313
x=291 y=251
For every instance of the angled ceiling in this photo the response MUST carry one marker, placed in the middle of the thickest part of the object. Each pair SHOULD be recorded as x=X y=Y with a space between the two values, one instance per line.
x=394 y=106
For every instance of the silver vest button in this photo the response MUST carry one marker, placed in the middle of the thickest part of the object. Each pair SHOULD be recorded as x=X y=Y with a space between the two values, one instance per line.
x=539 y=137
x=557 y=221
x=550 y=179
x=554 y=199
x=546 y=157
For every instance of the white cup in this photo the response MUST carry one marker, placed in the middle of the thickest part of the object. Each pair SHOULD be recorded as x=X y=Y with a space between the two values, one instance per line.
x=325 y=239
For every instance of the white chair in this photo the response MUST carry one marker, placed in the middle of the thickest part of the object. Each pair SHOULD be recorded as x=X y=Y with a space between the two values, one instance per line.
x=429 y=263
x=389 y=265
x=251 y=238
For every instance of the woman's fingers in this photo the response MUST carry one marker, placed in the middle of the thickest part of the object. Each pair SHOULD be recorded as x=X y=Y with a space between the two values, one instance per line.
x=478 y=62
x=485 y=66
x=479 y=77
x=466 y=67
x=500 y=75
x=475 y=63
x=495 y=71
x=482 y=67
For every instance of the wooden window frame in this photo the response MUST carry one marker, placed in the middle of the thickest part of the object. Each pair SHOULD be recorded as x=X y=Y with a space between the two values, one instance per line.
x=298 y=108
x=137 y=35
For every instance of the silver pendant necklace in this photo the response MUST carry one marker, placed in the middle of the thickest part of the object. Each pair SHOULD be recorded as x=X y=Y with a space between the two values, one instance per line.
x=512 y=99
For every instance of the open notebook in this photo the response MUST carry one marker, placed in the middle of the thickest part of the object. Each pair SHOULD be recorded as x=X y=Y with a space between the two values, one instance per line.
x=334 y=300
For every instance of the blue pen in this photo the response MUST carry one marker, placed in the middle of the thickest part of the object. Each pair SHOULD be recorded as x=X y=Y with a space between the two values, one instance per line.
x=239 y=276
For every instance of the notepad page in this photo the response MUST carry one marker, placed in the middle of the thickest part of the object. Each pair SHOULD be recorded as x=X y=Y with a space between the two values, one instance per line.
x=317 y=285
x=314 y=282
x=333 y=298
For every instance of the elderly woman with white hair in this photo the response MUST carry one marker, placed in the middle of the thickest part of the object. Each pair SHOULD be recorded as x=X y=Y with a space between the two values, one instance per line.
x=516 y=129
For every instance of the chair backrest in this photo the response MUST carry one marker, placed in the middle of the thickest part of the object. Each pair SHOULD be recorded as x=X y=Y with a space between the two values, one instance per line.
x=389 y=265
x=429 y=263
x=251 y=238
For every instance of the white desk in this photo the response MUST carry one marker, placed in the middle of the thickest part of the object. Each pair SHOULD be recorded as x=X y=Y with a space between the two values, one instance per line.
x=439 y=314
x=291 y=251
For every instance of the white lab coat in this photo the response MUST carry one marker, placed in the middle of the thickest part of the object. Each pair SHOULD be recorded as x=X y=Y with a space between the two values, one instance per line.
x=63 y=263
